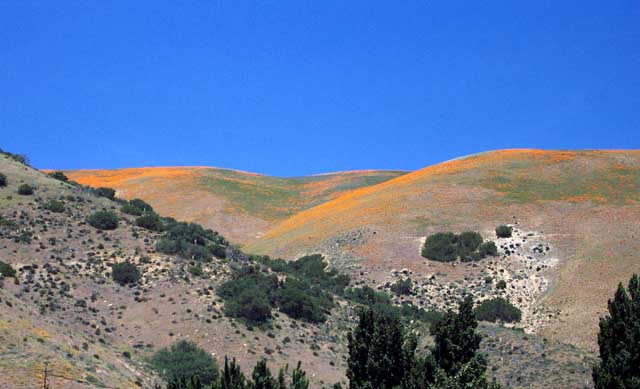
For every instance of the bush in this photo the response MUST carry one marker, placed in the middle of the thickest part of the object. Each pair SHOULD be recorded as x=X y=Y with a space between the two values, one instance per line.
x=54 y=206
x=185 y=360
x=59 y=176
x=504 y=231
x=3 y=180
x=103 y=220
x=25 y=189
x=498 y=309
x=488 y=248
x=188 y=240
x=131 y=210
x=502 y=284
x=7 y=270
x=447 y=247
x=196 y=271
x=402 y=287
x=141 y=204
x=441 y=246
x=151 y=222
x=125 y=273
x=105 y=192
x=299 y=300
x=250 y=304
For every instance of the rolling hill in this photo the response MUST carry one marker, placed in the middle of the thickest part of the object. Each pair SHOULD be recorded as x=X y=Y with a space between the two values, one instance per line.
x=240 y=205
x=585 y=204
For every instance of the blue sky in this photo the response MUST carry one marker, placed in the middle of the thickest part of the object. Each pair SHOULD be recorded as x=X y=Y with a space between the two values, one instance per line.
x=298 y=87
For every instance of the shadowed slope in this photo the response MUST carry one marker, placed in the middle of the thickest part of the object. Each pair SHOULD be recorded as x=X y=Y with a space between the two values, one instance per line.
x=241 y=205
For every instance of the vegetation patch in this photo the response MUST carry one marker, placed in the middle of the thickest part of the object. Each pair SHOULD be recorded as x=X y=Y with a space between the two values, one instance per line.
x=448 y=247
x=3 y=180
x=58 y=175
x=504 y=231
x=103 y=220
x=25 y=190
x=185 y=359
x=189 y=240
x=125 y=273
x=498 y=309
x=151 y=222
x=6 y=270
x=55 y=206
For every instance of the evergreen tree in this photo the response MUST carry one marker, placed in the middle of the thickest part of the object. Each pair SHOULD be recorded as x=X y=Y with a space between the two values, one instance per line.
x=232 y=377
x=299 y=379
x=619 y=340
x=456 y=339
x=380 y=353
x=262 y=378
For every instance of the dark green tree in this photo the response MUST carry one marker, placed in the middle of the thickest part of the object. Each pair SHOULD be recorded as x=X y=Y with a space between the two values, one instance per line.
x=262 y=378
x=299 y=379
x=58 y=175
x=455 y=337
x=380 y=353
x=105 y=192
x=103 y=220
x=232 y=377
x=25 y=190
x=619 y=340
x=503 y=231
x=125 y=273
x=3 y=180
x=184 y=360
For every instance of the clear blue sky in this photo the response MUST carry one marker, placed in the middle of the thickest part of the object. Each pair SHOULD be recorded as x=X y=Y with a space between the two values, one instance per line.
x=298 y=87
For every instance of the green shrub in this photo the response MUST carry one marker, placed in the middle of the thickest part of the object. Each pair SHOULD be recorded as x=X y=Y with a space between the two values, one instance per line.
x=7 y=270
x=447 y=247
x=188 y=240
x=103 y=220
x=105 y=192
x=441 y=246
x=131 y=210
x=498 y=309
x=150 y=221
x=300 y=300
x=3 y=180
x=58 y=175
x=185 y=359
x=54 y=206
x=250 y=304
x=488 y=248
x=141 y=204
x=503 y=231
x=125 y=273
x=196 y=271
x=502 y=284
x=402 y=287
x=25 y=189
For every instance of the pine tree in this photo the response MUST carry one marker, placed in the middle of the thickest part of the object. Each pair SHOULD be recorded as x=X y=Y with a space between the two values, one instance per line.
x=299 y=379
x=619 y=340
x=232 y=377
x=262 y=378
x=380 y=353
x=456 y=339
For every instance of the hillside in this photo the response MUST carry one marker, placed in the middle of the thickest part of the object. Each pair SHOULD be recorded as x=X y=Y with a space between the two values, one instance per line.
x=583 y=204
x=241 y=205
x=64 y=309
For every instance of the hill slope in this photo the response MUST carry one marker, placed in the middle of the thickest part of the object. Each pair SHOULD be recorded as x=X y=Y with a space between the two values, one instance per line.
x=586 y=203
x=240 y=205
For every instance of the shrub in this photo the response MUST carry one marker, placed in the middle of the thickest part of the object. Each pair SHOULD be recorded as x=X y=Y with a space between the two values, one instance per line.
x=300 y=300
x=488 y=248
x=185 y=359
x=151 y=222
x=103 y=220
x=468 y=242
x=502 y=284
x=105 y=192
x=402 y=287
x=25 y=189
x=7 y=270
x=3 y=180
x=58 y=175
x=188 y=240
x=196 y=271
x=141 y=204
x=498 y=309
x=54 y=206
x=131 y=210
x=125 y=273
x=250 y=304
x=503 y=231
x=441 y=246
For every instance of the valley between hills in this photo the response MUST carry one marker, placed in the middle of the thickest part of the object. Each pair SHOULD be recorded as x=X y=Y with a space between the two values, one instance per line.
x=574 y=217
